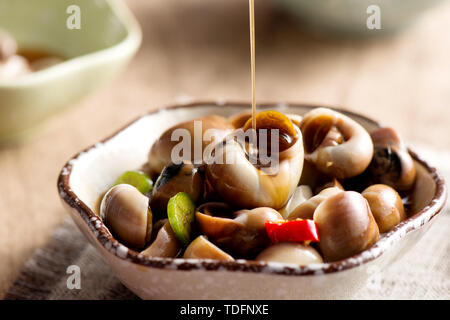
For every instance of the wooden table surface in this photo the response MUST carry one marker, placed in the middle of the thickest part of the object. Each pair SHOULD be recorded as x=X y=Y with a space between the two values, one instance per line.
x=199 y=49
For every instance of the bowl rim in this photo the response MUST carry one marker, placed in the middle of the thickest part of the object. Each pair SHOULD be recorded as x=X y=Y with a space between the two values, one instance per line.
x=107 y=241
x=125 y=47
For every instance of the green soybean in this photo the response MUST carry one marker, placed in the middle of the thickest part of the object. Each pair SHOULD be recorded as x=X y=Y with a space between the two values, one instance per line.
x=137 y=179
x=181 y=213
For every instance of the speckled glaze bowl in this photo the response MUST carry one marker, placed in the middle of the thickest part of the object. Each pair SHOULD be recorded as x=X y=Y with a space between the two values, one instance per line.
x=87 y=175
x=108 y=39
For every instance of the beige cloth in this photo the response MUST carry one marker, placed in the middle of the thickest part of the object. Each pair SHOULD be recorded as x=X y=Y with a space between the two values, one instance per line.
x=44 y=274
x=422 y=273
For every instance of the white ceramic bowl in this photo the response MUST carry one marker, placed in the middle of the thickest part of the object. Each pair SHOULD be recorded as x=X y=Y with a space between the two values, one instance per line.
x=87 y=175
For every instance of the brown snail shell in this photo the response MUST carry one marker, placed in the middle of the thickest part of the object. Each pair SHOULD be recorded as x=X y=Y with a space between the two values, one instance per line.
x=330 y=184
x=346 y=225
x=386 y=206
x=290 y=253
x=242 y=233
x=391 y=164
x=246 y=185
x=306 y=209
x=301 y=194
x=314 y=178
x=165 y=245
x=337 y=145
x=238 y=121
x=127 y=214
x=160 y=154
x=173 y=179
x=202 y=248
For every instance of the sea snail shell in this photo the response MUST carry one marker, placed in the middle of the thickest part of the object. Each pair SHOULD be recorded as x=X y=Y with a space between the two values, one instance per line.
x=160 y=154
x=241 y=233
x=202 y=248
x=240 y=119
x=127 y=213
x=306 y=209
x=386 y=206
x=165 y=245
x=301 y=194
x=346 y=226
x=335 y=143
x=290 y=253
x=391 y=164
x=173 y=179
x=246 y=185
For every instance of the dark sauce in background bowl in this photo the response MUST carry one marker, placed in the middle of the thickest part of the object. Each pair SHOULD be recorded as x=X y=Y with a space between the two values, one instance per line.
x=39 y=59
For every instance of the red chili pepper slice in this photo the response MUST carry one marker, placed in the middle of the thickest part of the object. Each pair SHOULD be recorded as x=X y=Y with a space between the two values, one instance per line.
x=298 y=230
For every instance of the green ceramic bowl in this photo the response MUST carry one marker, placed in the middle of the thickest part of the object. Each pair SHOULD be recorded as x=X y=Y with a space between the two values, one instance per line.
x=108 y=38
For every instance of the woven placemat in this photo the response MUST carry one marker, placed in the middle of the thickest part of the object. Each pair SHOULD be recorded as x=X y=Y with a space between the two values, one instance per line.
x=422 y=273
x=44 y=275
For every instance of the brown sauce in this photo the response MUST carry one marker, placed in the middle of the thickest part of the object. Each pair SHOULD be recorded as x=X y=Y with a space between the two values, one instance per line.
x=33 y=55
x=252 y=60
x=254 y=142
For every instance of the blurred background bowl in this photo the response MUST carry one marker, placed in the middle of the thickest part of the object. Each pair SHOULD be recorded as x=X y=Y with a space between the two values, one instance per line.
x=108 y=38
x=349 y=17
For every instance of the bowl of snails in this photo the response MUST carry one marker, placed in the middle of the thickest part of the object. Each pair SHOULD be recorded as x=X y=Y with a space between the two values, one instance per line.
x=181 y=206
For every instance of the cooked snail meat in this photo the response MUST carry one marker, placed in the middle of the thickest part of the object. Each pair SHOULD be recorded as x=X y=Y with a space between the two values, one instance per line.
x=391 y=163
x=239 y=120
x=201 y=248
x=241 y=233
x=306 y=209
x=335 y=143
x=165 y=245
x=160 y=154
x=290 y=253
x=173 y=179
x=249 y=185
x=386 y=206
x=300 y=195
x=127 y=213
x=346 y=225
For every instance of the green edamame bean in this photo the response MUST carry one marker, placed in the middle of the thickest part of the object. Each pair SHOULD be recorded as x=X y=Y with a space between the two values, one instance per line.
x=137 y=179
x=181 y=213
